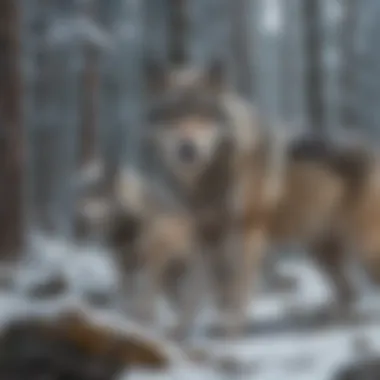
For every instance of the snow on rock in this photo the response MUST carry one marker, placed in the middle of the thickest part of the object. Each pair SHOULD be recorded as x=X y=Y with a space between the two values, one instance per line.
x=86 y=269
x=92 y=271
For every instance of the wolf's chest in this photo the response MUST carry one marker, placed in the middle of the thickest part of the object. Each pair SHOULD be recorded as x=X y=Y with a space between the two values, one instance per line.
x=211 y=223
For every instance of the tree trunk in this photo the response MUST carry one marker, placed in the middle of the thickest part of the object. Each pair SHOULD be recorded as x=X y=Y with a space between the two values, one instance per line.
x=11 y=163
x=349 y=30
x=314 y=75
x=91 y=95
x=177 y=32
x=242 y=66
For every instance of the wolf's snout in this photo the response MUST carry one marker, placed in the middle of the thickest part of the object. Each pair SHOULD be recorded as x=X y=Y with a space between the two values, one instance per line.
x=187 y=152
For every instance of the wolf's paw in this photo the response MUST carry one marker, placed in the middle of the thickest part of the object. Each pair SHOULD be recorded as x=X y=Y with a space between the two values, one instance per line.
x=229 y=326
x=178 y=333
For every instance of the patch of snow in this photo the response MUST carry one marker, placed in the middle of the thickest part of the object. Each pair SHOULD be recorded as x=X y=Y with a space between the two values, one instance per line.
x=85 y=268
x=91 y=270
x=313 y=354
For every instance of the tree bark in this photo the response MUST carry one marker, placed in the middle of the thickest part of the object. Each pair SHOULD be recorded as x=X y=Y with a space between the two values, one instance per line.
x=177 y=32
x=11 y=160
x=314 y=75
x=349 y=30
x=242 y=65
x=91 y=95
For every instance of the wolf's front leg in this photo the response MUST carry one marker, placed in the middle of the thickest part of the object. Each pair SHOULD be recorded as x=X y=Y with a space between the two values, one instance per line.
x=148 y=295
x=330 y=254
x=150 y=282
x=247 y=248
x=189 y=291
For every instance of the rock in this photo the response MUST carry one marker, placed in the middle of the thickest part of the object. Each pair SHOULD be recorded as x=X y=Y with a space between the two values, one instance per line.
x=52 y=286
x=229 y=365
x=362 y=346
x=7 y=278
x=99 y=298
x=28 y=350
x=234 y=367
x=72 y=347
x=368 y=369
x=281 y=283
x=199 y=355
x=132 y=349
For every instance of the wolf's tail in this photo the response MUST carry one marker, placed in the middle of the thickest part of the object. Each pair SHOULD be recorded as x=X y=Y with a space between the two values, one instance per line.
x=350 y=161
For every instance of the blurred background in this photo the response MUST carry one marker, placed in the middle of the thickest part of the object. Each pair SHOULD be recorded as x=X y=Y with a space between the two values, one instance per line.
x=72 y=90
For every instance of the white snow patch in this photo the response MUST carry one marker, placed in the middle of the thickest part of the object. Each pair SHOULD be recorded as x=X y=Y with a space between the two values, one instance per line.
x=303 y=355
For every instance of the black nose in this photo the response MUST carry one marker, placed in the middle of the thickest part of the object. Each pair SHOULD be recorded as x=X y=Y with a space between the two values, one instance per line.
x=187 y=151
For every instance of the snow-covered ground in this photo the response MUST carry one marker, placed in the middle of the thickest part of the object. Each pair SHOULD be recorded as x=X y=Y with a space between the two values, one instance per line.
x=284 y=343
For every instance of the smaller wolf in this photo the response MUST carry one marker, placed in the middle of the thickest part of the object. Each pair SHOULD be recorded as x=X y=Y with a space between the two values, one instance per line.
x=147 y=234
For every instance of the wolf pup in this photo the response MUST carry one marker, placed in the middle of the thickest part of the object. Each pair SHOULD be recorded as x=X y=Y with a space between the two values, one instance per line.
x=147 y=234
x=163 y=245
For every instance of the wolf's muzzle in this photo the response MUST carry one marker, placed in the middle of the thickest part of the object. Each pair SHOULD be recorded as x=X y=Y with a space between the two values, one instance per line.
x=187 y=152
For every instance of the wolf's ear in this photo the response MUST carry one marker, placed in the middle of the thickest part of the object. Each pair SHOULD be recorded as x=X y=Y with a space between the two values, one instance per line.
x=216 y=75
x=156 y=76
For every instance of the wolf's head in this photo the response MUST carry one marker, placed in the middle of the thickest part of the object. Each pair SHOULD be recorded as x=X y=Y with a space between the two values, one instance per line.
x=114 y=213
x=187 y=120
